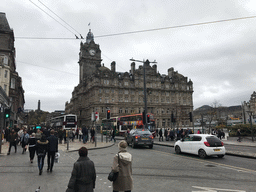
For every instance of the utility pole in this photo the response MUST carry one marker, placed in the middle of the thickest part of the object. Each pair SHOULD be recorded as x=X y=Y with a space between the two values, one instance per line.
x=147 y=62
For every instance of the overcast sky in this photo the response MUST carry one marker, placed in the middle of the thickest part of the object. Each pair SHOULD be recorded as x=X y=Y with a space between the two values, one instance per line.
x=219 y=58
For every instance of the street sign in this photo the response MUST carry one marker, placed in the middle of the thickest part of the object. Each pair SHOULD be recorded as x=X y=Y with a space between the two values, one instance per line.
x=97 y=116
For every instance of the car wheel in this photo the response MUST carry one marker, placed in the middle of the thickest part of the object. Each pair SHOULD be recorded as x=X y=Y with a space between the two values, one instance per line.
x=202 y=154
x=150 y=146
x=177 y=149
x=133 y=144
x=220 y=156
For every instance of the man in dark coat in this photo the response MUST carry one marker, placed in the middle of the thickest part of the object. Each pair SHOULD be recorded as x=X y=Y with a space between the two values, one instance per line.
x=52 y=149
x=85 y=134
x=13 y=137
x=83 y=176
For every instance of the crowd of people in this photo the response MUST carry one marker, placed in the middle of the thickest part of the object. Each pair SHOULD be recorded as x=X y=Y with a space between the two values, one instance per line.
x=177 y=134
x=44 y=142
x=84 y=134
x=36 y=141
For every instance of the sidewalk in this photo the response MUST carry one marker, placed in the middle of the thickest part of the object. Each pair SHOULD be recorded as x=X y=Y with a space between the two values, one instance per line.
x=230 y=141
x=73 y=146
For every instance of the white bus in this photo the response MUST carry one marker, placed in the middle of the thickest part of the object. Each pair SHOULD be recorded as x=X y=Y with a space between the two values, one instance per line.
x=65 y=121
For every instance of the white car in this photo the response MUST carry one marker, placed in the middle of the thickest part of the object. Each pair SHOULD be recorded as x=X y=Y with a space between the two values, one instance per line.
x=200 y=144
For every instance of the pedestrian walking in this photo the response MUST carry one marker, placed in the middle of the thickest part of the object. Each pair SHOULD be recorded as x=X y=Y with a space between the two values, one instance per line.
x=161 y=134
x=7 y=133
x=238 y=135
x=60 y=135
x=165 y=134
x=41 y=149
x=65 y=136
x=80 y=134
x=92 y=134
x=13 y=137
x=38 y=134
x=112 y=135
x=83 y=175
x=20 y=133
x=24 y=141
x=122 y=163
x=32 y=147
x=52 y=149
x=85 y=134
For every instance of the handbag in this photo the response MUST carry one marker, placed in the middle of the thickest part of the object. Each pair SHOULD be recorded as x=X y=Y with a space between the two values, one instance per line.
x=112 y=176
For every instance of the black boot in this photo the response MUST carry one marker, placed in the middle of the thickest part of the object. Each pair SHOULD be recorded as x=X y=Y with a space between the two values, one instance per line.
x=40 y=172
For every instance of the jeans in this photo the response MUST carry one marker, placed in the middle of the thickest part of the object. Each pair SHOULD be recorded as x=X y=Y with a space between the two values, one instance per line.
x=40 y=160
x=12 y=144
x=50 y=159
x=32 y=151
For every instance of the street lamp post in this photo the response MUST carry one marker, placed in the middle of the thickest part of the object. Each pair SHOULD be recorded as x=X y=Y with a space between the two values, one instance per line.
x=145 y=87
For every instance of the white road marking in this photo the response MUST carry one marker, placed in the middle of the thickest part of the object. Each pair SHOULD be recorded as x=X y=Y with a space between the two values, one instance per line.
x=209 y=189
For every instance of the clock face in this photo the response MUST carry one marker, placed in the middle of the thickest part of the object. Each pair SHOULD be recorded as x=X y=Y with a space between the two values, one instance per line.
x=92 y=52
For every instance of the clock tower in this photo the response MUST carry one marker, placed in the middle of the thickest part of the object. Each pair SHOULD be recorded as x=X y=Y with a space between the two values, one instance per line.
x=89 y=58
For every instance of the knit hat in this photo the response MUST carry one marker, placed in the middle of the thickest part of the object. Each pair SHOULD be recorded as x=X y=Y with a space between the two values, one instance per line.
x=122 y=145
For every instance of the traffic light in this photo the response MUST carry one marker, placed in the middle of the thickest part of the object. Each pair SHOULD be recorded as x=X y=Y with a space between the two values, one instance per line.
x=144 y=118
x=190 y=117
x=7 y=113
x=148 y=118
x=172 y=118
x=108 y=114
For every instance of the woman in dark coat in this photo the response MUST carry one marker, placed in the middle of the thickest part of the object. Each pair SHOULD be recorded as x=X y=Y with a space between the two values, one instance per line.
x=41 y=149
x=32 y=147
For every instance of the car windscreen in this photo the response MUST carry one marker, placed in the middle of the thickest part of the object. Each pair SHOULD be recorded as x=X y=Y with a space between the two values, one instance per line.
x=143 y=132
x=213 y=141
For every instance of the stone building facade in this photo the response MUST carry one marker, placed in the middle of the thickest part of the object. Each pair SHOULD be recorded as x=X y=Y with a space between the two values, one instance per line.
x=10 y=80
x=101 y=88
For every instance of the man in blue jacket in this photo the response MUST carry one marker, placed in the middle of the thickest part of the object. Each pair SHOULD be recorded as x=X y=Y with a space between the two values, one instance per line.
x=52 y=149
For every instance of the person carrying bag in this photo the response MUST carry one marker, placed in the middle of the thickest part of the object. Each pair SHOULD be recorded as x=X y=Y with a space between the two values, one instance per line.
x=122 y=164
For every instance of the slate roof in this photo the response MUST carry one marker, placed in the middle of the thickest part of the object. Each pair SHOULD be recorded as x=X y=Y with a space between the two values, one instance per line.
x=4 y=25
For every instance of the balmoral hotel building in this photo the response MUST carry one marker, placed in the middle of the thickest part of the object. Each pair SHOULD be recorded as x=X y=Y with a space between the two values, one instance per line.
x=101 y=88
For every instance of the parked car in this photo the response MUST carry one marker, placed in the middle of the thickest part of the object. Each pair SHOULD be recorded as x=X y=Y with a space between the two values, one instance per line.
x=200 y=144
x=140 y=137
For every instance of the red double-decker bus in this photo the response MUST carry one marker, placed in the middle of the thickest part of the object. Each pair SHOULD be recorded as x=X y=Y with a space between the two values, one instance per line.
x=134 y=121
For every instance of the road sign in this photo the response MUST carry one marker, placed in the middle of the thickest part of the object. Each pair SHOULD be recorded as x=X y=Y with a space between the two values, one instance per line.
x=97 y=116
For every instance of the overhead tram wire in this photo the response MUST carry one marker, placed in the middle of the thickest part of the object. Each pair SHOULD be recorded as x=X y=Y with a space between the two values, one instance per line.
x=60 y=18
x=52 y=17
x=47 y=68
x=149 y=30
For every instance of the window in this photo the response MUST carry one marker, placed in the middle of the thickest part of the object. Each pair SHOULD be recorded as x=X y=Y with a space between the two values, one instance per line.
x=102 y=109
x=5 y=74
x=5 y=60
x=126 y=83
x=107 y=90
x=120 y=91
x=106 y=82
x=99 y=90
x=126 y=110
x=126 y=100
x=126 y=92
x=12 y=83
x=101 y=101
x=113 y=100
x=5 y=88
x=120 y=110
x=167 y=93
x=106 y=100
